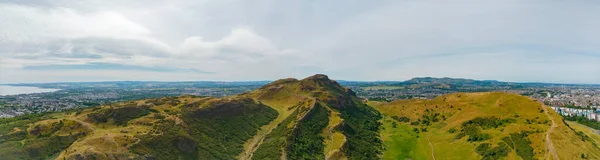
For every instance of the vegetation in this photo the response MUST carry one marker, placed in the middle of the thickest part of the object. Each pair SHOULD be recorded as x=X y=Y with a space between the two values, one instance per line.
x=173 y=142
x=215 y=132
x=380 y=99
x=401 y=141
x=222 y=130
x=306 y=141
x=585 y=121
x=488 y=122
x=429 y=117
x=361 y=128
x=521 y=144
x=275 y=141
x=119 y=116
x=7 y=124
x=466 y=121
x=472 y=128
x=39 y=142
x=297 y=123
x=488 y=153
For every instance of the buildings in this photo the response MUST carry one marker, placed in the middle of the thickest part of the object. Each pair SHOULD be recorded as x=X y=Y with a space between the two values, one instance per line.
x=592 y=114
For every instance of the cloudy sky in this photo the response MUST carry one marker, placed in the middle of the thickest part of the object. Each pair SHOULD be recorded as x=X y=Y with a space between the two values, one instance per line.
x=180 y=40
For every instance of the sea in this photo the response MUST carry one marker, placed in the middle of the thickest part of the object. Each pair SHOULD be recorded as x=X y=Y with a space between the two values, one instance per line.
x=15 y=90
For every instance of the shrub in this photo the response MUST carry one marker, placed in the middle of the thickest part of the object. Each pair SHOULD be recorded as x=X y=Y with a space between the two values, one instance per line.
x=488 y=153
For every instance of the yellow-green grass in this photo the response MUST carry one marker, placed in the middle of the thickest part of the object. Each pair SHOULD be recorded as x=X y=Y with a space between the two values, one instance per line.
x=569 y=145
x=592 y=133
x=334 y=140
x=456 y=109
x=106 y=139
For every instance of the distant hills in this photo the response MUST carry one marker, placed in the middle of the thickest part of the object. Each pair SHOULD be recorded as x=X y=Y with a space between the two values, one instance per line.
x=310 y=118
x=424 y=81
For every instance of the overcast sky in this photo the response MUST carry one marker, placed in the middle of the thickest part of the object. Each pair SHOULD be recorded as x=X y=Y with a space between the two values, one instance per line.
x=181 y=40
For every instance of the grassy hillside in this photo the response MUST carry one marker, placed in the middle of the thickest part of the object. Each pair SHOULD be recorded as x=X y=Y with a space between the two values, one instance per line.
x=184 y=127
x=332 y=123
x=477 y=126
x=311 y=118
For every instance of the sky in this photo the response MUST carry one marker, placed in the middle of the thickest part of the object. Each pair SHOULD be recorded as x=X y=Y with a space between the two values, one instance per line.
x=235 y=40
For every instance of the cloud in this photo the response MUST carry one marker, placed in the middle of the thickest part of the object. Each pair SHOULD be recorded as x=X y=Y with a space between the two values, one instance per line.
x=510 y=40
x=241 y=44
x=109 y=66
x=26 y=23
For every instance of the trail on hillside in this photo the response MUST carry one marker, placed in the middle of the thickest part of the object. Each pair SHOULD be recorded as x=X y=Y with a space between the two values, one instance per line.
x=331 y=137
x=549 y=144
x=432 y=150
x=257 y=140
x=252 y=145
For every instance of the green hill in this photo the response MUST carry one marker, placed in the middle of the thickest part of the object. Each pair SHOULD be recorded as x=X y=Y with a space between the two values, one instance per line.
x=489 y=125
x=311 y=118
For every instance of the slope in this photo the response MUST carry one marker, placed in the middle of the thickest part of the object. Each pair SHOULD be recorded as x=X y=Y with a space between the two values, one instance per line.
x=185 y=127
x=477 y=126
x=312 y=118
x=327 y=121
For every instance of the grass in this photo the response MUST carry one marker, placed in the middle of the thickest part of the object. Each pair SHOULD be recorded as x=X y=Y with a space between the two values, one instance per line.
x=164 y=128
x=308 y=119
x=568 y=144
x=334 y=139
x=399 y=140
x=287 y=104
x=590 y=132
x=360 y=125
x=440 y=121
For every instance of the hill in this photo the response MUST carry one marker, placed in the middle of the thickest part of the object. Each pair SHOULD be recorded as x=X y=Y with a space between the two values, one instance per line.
x=310 y=118
x=489 y=125
x=458 y=84
x=291 y=118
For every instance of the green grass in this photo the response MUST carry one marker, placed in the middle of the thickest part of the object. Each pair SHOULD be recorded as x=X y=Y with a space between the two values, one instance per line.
x=400 y=141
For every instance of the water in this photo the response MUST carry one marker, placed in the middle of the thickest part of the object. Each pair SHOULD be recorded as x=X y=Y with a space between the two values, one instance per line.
x=14 y=90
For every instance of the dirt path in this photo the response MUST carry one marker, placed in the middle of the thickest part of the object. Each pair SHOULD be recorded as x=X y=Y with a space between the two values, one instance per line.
x=549 y=144
x=432 y=150
x=257 y=140
x=251 y=146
